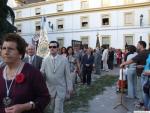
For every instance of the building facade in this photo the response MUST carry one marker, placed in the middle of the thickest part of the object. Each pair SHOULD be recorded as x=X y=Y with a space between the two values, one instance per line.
x=117 y=22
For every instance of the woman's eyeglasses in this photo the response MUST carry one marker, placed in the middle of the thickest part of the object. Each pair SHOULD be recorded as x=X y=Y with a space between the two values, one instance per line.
x=52 y=47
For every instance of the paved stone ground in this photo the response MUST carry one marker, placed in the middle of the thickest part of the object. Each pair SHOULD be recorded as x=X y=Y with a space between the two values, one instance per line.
x=105 y=102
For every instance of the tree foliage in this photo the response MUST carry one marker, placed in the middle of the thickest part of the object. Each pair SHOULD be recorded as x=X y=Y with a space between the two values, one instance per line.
x=7 y=18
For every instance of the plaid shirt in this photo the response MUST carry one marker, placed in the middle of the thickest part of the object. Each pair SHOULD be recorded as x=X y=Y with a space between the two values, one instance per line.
x=32 y=89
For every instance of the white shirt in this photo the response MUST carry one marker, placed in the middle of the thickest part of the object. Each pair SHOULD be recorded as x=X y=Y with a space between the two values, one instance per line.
x=53 y=57
x=54 y=61
x=129 y=57
x=31 y=58
x=105 y=55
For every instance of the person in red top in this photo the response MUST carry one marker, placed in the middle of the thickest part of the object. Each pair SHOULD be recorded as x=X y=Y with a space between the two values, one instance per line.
x=22 y=87
x=119 y=56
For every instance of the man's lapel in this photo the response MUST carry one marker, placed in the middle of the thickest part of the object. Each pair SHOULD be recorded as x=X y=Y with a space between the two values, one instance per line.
x=26 y=59
x=50 y=63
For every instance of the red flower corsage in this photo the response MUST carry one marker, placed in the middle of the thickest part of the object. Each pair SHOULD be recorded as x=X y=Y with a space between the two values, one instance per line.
x=20 y=78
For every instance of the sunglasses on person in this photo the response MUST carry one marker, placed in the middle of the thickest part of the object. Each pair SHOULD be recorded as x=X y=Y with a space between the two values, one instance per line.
x=52 y=47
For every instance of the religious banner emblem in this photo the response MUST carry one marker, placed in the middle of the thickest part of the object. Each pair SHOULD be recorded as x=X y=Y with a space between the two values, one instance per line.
x=42 y=49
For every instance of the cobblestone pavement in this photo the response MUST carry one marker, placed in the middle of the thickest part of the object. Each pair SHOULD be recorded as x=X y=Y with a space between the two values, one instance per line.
x=105 y=102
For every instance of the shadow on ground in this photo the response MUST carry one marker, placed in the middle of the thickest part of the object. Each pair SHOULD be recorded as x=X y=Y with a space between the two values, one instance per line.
x=106 y=100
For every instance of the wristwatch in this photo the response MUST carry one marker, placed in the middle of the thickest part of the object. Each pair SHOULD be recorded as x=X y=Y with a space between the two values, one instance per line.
x=32 y=104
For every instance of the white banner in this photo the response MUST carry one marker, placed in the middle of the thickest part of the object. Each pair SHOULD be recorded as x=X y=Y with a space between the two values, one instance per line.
x=42 y=49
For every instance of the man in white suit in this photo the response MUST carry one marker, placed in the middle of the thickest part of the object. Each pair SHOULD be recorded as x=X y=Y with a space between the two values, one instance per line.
x=57 y=74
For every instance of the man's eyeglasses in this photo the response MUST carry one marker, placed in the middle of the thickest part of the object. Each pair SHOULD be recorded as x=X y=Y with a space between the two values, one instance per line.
x=52 y=47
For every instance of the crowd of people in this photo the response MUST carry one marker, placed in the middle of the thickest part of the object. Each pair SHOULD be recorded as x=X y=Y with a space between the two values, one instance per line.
x=32 y=84
x=138 y=64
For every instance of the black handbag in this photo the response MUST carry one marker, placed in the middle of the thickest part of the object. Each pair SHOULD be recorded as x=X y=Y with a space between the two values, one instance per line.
x=146 y=87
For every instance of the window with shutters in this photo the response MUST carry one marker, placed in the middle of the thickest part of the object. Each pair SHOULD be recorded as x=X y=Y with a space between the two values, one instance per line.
x=60 y=24
x=19 y=28
x=84 y=4
x=60 y=40
x=18 y=14
x=128 y=39
x=105 y=40
x=37 y=26
x=85 y=40
x=128 y=18
x=105 y=3
x=105 y=20
x=128 y=1
x=37 y=11
x=60 y=7
x=84 y=22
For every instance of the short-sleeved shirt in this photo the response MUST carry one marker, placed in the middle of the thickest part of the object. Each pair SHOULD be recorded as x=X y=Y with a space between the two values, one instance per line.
x=130 y=56
x=140 y=59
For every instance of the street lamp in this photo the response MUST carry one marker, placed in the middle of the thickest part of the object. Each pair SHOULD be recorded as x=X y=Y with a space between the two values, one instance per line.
x=141 y=24
x=141 y=20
